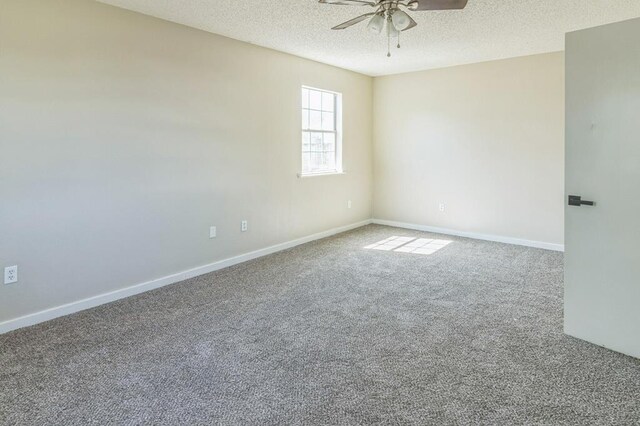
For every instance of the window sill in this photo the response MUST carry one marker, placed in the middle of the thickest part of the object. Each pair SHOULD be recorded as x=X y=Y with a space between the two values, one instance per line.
x=308 y=175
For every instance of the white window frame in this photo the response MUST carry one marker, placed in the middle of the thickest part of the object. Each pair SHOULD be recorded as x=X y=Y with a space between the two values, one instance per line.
x=337 y=111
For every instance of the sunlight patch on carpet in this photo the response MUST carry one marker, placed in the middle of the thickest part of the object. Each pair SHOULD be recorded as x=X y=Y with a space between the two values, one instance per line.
x=424 y=246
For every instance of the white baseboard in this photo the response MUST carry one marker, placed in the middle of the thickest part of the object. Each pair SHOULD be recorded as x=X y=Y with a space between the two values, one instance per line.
x=91 y=302
x=496 y=238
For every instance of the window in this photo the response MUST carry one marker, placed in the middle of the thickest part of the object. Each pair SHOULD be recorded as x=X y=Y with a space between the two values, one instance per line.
x=321 y=131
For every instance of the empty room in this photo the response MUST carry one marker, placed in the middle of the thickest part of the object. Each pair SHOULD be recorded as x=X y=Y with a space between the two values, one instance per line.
x=319 y=212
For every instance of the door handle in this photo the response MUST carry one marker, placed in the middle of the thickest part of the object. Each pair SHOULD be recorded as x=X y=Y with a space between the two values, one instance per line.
x=576 y=200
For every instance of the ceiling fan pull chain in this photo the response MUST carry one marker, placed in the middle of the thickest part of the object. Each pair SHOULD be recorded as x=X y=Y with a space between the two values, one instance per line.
x=399 y=32
x=388 y=45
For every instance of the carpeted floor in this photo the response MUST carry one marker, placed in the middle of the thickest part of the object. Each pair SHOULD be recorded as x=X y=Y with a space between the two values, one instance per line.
x=328 y=333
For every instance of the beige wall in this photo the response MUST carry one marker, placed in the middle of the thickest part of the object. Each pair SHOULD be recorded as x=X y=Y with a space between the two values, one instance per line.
x=485 y=139
x=123 y=138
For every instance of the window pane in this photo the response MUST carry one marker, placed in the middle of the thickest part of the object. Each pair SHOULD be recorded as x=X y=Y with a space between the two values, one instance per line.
x=306 y=161
x=316 y=159
x=328 y=100
x=329 y=142
x=306 y=141
x=315 y=121
x=327 y=121
x=315 y=99
x=305 y=98
x=330 y=160
x=316 y=142
x=305 y=118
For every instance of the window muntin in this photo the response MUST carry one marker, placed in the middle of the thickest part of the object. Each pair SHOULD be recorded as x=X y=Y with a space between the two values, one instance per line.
x=321 y=122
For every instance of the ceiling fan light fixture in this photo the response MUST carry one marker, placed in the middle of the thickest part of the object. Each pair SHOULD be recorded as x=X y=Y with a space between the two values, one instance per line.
x=401 y=20
x=376 y=24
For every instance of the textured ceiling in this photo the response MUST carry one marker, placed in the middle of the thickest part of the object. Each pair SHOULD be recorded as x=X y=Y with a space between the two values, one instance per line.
x=485 y=30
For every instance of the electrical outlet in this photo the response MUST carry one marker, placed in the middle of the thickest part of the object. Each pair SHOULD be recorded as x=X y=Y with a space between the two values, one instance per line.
x=443 y=207
x=11 y=274
x=349 y=204
x=212 y=232
x=244 y=226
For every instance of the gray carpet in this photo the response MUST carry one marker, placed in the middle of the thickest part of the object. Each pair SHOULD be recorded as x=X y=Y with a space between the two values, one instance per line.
x=328 y=333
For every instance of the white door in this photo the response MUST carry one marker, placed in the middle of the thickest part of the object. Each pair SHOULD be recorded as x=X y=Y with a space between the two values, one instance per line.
x=602 y=242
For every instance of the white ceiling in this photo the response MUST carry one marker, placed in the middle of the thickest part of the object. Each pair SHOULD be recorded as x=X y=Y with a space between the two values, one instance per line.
x=485 y=30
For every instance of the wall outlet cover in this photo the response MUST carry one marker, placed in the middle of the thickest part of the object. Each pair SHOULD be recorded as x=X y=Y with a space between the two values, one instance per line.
x=11 y=274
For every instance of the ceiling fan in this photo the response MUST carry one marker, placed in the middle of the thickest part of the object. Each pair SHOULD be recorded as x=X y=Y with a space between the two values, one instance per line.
x=391 y=14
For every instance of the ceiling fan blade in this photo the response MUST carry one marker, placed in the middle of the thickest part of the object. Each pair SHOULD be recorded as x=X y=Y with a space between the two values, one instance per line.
x=352 y=21
x=348 y=2
x=411 y=25
x=441 y=4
